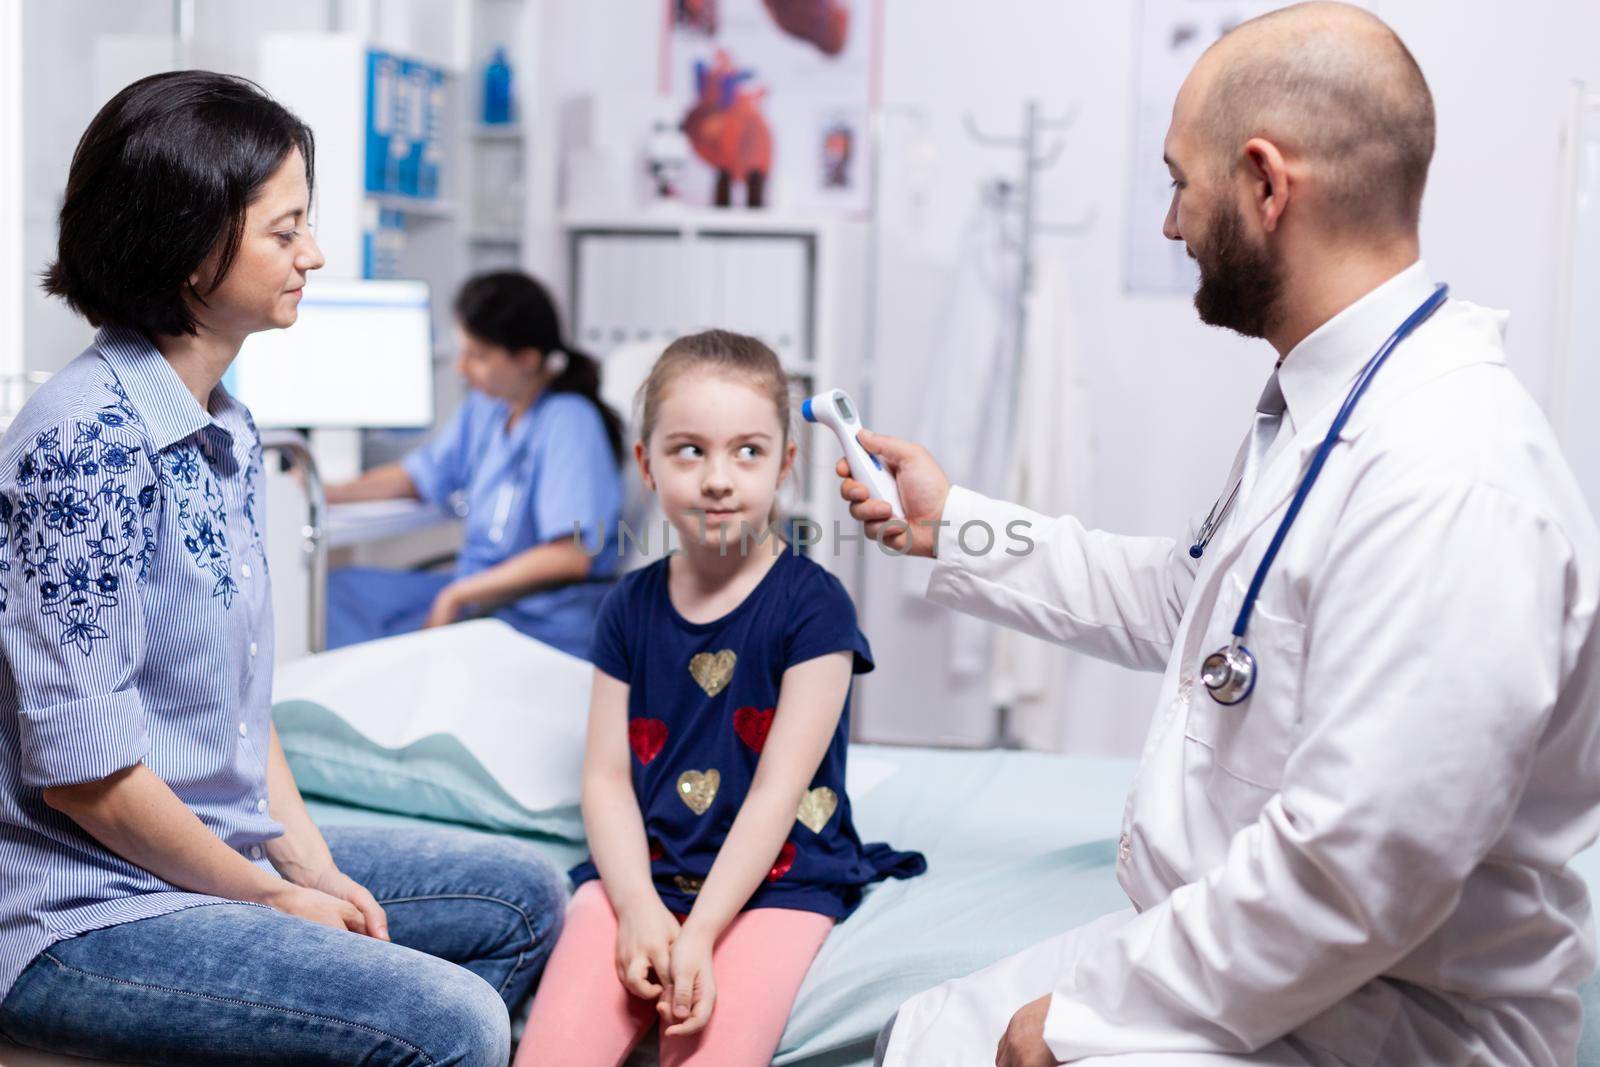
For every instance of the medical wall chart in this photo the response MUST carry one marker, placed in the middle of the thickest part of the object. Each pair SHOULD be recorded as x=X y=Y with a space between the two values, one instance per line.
x=775 y=98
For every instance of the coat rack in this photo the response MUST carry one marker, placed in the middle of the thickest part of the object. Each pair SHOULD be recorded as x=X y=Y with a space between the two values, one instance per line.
x=1021 y=196
x=1036 y=157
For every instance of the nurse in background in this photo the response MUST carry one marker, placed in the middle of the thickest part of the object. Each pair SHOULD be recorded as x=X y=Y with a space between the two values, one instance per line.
x=533 y=454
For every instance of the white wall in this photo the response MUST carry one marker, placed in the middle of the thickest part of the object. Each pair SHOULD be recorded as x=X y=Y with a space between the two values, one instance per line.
x=227 y=35
x=59 y=99
x=1500 y=75
x=1169 y=397
x=68 y=73
x=11 y=250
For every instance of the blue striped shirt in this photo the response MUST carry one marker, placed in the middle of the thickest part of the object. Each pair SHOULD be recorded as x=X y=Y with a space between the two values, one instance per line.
x=136 y=625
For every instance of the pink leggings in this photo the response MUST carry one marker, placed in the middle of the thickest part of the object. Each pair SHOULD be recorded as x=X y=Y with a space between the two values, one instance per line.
x=583 y=1016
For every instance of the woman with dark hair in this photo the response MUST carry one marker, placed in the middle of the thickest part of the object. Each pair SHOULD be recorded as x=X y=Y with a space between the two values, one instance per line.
x=532 y=460
x=165 y=896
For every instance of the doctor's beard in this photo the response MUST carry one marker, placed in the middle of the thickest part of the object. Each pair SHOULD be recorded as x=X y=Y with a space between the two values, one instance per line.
x=1240 y=283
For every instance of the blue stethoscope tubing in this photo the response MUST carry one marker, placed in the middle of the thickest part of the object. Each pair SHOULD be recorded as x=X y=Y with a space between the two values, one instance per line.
x=1230 y=673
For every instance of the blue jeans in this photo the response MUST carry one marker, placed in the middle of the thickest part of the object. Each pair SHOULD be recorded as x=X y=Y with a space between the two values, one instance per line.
x=473 y=920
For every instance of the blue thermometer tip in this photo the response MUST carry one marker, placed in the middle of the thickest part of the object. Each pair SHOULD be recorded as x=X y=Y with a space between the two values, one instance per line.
x=805 y=410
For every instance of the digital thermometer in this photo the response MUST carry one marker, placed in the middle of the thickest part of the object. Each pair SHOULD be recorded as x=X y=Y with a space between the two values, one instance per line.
x=835 y=410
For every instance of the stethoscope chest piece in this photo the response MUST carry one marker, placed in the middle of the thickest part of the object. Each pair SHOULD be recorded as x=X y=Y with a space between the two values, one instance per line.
x=1229 y=674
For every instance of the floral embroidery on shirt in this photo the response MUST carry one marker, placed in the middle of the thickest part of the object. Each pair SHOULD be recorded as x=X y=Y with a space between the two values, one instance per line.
x=251 y=471
x=5 y=543
x=78 y=524
x=183 y=464
x=202 y=517
x=73 y=537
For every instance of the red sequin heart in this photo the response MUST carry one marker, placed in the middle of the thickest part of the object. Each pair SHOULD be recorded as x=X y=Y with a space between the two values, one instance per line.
x=646 y=737
x=785 y=861
x=752 y=726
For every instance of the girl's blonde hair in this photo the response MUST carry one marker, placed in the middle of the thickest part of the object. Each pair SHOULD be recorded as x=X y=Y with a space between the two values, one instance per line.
x=719 y=352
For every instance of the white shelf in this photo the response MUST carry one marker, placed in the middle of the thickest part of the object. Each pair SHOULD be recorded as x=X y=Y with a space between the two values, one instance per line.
x=671 y=219
x=492 y=236
x=414 y=205
x=509 y=132
x=375 y=520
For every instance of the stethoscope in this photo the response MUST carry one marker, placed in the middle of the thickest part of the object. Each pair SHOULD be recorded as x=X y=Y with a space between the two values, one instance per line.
x=1229 y=673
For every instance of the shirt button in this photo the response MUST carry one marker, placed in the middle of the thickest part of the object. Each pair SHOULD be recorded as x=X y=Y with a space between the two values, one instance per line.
x=252 y=648
x=244 y=731
x=261 y=805
x=255 y=852
x=244 y=569
x=1124 y=848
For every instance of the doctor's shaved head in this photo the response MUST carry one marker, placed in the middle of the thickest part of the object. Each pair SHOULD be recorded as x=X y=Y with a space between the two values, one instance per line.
x=1331 y=85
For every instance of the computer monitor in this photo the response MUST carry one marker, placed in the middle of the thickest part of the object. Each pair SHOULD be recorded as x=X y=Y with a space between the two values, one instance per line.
x=360 y=356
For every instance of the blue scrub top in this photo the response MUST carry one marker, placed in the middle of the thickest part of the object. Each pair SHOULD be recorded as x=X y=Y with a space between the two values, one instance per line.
x=527 y=487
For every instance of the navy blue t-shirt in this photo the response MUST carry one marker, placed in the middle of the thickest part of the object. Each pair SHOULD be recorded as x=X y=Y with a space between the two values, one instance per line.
x=701 y=700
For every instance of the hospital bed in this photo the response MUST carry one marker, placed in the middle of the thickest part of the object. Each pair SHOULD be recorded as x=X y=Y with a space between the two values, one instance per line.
x=1020 y=846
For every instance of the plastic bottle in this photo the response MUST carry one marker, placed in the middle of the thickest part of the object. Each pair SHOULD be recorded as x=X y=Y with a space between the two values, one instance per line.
x=497 y=90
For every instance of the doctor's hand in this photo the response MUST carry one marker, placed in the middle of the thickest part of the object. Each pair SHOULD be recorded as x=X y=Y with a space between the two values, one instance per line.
x=1023 y=1045
x=923 y=490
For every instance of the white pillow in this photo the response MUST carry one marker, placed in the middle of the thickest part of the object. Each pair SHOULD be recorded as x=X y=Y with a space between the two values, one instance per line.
x=518 y=706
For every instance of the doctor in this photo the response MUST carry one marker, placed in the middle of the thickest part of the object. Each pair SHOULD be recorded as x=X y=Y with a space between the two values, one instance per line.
x=1362 y=858
x=533 y=453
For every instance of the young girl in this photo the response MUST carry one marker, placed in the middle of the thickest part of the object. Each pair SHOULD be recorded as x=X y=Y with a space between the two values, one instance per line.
x=713 y=787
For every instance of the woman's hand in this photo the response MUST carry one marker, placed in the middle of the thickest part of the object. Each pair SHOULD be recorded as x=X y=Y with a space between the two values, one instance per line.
x=691 y=993
x=335 y=883
x=923 y=489
x=645 y=936
x=317 y=906
x=447 y=608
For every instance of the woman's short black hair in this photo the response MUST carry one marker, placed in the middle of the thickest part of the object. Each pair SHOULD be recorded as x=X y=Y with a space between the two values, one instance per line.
x=162 y=176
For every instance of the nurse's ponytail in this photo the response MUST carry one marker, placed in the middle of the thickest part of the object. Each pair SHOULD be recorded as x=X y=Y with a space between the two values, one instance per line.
x=512 y=310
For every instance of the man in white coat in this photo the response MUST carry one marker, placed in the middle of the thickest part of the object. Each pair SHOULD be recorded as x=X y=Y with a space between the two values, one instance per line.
x=1365 y=861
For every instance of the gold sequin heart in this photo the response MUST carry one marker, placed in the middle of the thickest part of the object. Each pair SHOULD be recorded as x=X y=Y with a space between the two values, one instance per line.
x=817 y=807
x=713 y=671
x=699 y=790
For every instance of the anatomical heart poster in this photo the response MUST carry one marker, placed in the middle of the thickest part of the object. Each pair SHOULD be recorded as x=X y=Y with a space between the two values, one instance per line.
x=776 y=97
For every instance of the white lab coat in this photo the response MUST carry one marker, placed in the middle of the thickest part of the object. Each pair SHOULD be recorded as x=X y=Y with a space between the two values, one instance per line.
x=1364 y=863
